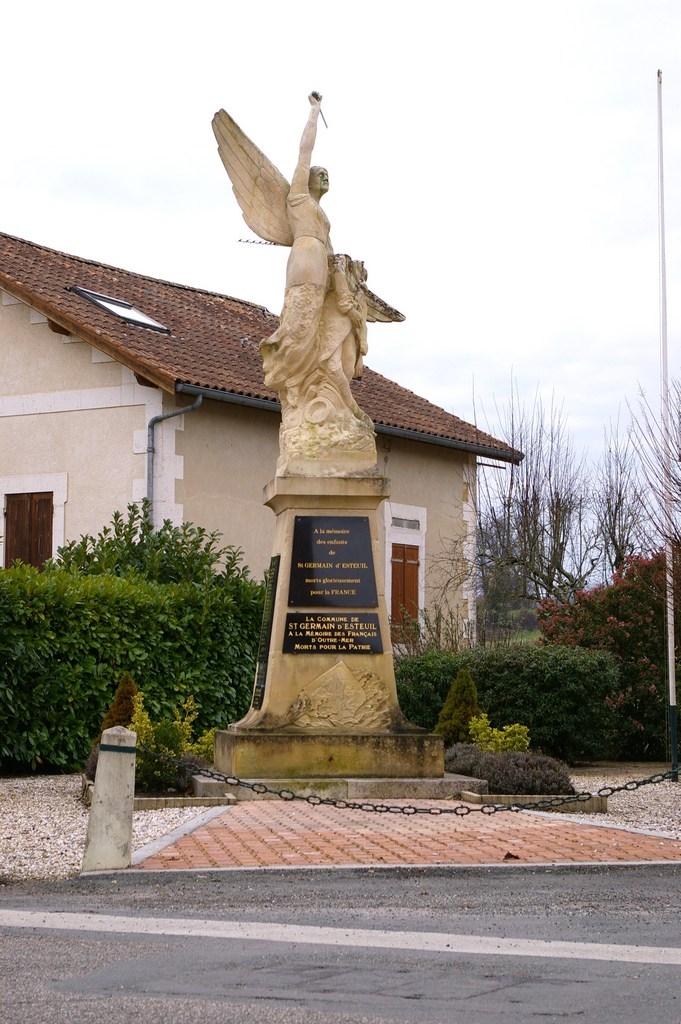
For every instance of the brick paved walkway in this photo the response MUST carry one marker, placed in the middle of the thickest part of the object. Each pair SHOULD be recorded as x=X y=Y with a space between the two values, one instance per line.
x=269 y=833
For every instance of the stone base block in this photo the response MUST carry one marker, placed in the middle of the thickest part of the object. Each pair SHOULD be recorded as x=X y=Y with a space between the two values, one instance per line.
x=594 y=805
x=202 y=785
x=449 y=787
x=258 y=755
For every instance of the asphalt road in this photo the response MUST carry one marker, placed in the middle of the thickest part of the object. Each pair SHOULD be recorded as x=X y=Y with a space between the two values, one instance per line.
x=504 y=944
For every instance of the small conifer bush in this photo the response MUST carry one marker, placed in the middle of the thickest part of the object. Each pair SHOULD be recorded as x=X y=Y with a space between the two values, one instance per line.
x=459 y=708
x=120 y=712
x=122 y=708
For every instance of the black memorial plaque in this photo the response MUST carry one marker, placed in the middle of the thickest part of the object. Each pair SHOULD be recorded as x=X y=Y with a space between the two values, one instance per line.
x=271 y=577
x=332 y=633
x=332 y=564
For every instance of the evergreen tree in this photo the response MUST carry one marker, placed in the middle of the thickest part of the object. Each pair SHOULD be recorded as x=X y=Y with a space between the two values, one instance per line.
x=460 y=706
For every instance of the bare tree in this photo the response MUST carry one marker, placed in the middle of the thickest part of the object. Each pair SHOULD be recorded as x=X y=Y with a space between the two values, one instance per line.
x=659 y=452
x=621 y=508
x=549 y=526
x=537 y=528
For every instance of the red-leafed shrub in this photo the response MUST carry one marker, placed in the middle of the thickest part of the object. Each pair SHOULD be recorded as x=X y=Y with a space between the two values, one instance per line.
x=626 y=618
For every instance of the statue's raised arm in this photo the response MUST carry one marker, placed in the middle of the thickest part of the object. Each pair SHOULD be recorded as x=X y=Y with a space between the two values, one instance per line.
x=308 y=224
x=299 y=182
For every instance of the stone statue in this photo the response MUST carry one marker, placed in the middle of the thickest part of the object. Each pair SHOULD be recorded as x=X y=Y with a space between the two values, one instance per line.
x=322 y=336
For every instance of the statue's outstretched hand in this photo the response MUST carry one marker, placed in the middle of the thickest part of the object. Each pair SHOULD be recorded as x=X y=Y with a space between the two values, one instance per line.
x=315 y=99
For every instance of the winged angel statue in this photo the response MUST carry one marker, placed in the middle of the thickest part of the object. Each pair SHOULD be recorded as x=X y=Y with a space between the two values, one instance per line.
x=322 y=336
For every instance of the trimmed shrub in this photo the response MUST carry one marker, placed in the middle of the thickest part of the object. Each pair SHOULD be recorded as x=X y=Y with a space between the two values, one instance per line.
x=563 y=695
x=459 y=708
x=423 y=682
x=169 y=737
x=66 y=640
x=510 y=772
x=173 y=738
x=511 y=737
x=203 y=748
x=132 y=547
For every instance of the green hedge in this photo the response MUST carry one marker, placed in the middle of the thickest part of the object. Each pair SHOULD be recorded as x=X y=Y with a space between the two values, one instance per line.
x=66 y=640
x=560 y=693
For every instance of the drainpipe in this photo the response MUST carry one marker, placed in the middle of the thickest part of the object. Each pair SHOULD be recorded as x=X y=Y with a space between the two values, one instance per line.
x=151 y=450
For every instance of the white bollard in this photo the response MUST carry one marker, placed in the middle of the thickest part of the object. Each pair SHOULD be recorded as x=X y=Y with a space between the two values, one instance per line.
x=109 y=833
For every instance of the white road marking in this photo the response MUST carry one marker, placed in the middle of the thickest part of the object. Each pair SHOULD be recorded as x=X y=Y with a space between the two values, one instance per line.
x=434 y=942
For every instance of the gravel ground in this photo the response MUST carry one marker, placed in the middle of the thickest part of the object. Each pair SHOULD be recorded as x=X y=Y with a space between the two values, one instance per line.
x=43 y=822
x=654 y=808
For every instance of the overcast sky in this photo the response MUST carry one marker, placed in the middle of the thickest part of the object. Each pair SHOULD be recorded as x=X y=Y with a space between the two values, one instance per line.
x=494 y=163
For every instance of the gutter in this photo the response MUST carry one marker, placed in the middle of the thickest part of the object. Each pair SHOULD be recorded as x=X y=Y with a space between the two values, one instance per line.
x=409 y=435
x=229 y=396
x=151 y=449
x=449 y=442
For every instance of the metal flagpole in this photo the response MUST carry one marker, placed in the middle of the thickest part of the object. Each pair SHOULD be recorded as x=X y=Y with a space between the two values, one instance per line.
x=666 y=454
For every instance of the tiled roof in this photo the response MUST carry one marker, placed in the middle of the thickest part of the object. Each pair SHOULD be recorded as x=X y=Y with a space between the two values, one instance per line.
x=212 y=344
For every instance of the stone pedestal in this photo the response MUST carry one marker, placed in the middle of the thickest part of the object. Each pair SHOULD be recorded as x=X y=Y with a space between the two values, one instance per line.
x=290 y=755
x=325 y=702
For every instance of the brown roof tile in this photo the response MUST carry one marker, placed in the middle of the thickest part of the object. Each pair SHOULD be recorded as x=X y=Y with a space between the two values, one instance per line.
x=212 y=344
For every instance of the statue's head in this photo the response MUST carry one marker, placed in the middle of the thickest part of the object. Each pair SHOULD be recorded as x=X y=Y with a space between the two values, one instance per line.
x=318 y=181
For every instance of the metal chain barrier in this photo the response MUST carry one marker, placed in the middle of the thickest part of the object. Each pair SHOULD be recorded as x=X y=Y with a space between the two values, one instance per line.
x=550 y=803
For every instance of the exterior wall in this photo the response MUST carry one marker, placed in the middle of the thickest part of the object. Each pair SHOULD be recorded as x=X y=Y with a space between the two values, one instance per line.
x=71 y=422
x=230 y=454
x=434 y=486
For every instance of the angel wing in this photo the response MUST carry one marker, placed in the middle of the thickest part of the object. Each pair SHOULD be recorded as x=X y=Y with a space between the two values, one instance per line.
x=260 y=189
x=378 y=310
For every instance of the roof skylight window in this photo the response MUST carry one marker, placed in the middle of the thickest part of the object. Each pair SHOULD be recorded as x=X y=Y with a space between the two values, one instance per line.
x=123 y=310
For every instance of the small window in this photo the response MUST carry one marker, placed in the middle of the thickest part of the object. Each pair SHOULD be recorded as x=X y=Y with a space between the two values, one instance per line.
x=406 y=524
x=123 y=310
